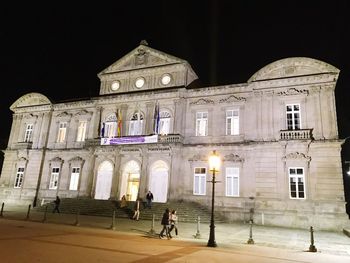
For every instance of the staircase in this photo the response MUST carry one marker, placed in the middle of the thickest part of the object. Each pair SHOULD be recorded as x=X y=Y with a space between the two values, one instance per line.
x=186 y=211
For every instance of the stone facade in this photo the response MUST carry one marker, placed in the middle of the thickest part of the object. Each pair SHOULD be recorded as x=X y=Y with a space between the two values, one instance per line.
x=152 y=127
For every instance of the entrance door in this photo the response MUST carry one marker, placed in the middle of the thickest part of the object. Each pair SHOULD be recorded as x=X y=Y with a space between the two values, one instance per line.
x=130 y=181
x=104 y=181
x=158 y=183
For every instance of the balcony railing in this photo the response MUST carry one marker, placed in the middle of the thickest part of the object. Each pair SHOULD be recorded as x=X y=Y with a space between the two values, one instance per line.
x=303 y=134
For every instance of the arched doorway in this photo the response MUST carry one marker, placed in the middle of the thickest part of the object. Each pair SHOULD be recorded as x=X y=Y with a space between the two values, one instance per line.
x=104 y=181
x=158 y=182
x=130 y=181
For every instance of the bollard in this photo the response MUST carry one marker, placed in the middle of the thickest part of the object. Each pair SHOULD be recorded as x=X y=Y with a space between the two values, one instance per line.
x=77 y=218
x=198 y=234
x=312 y=247
x=44 y=219
x=2 y=209
x=28 y=212
x=113 y=221
x=152 y=226
x=250 y=240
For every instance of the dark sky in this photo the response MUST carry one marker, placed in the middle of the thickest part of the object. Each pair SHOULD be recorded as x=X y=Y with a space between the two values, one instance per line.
x=58 y=49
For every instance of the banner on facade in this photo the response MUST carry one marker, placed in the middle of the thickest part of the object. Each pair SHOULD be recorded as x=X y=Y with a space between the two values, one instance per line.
x=130 y=140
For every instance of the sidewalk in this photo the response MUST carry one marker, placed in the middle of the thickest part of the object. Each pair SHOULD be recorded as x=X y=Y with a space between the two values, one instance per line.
x=227 y=235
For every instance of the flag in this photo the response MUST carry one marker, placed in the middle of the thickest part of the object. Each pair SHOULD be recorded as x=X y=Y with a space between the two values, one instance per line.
x=119 y=120
x=103 y=130
x=156 y=118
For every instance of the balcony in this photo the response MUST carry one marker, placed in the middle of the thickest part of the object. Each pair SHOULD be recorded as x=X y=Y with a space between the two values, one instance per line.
x=22 y=145
x=302 y=134
x=142 y=139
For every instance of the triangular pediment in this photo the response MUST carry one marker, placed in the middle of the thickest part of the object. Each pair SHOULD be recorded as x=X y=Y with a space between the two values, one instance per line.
x=142 y=57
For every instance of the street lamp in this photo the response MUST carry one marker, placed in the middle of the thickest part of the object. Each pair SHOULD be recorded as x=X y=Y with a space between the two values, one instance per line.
x=348 y=162
x=214 y=166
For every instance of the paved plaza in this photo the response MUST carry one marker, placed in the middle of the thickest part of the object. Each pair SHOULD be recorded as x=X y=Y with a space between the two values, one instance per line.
x=71 y=238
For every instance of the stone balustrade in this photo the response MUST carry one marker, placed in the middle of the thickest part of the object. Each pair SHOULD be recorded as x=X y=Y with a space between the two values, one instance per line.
x=303 y=134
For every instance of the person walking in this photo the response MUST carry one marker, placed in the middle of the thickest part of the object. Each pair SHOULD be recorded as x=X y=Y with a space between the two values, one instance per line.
x=165 y=223
x=136 y=210
x=57 y=205
x=173 y=222
x=149 y=199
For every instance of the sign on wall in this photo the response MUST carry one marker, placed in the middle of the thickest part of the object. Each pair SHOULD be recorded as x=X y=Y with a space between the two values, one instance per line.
x=130 y=140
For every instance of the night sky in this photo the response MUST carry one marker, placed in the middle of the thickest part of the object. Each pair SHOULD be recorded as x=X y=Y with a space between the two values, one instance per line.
x=58 y=49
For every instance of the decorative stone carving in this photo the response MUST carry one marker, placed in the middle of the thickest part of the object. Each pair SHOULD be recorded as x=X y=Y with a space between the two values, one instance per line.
x=141 y=57
x=296 y=156
x=56 y=160
x=198 y=157
x=233 y=158
x=232 y=98
x=76 y=159
x=293 y=91
x=202 y=102
x=83 y=112
x=64 y=114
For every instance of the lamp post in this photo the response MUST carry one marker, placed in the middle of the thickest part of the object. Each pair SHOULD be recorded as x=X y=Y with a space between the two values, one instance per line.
x=214 y=165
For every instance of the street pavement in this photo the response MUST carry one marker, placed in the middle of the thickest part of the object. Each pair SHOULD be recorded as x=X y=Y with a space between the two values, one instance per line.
x=101 y=239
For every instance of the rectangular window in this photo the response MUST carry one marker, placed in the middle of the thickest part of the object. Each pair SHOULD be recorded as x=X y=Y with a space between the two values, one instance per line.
x=19 y=177
x=54 y=178
x=232 y=122
x=28 y=133
x=293 y=116
x=199 y=182
x=296 y=183
x=232 y=181
x=74 y=178
x=81 y=131
x=202 y=124
x=62 y=132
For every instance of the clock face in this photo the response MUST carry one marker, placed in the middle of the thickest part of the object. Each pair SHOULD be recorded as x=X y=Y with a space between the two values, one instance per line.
x=139 y=82
x=115 y=85
x=166 y=78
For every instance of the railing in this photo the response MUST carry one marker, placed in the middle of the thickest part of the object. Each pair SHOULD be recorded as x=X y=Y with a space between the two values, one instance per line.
x=170 y=138
x=303 y=134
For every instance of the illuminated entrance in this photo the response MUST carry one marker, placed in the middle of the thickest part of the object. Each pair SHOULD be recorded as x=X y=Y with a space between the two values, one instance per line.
x=104 y=181
x=130 y=181
x=158 y=183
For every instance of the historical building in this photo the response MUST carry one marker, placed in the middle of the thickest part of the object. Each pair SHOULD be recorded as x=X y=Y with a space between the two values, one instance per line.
x=151 y=127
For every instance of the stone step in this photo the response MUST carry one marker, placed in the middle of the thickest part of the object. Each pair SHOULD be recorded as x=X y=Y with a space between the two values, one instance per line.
x=186 y=211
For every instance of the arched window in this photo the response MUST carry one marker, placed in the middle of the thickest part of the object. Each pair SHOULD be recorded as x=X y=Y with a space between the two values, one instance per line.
x=110 y=126
x=164 y=122
x=136 y=124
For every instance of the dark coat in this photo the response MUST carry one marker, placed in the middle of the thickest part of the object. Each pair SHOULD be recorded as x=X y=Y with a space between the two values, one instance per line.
x=165 y=218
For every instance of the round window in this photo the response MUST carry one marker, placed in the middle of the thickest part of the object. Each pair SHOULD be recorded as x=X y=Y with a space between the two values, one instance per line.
x=139 y=82
x=115 y=85
x=166 y=78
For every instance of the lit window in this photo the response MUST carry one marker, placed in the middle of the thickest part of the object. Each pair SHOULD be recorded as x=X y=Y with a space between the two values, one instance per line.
x=74 y=178
x=110 y=126
x=136 y=122
x=28 y=133
x=293 y=116
x=115 y=85
x=232 y=122
x=166 y=78
x=62 y=132
x=164 y=122
x=81 y=131
x=201 y=123
x=199 y=181
x=54 y=178
x=19 y=177
x=139 y=82
x=296 y=183
x=232 y=181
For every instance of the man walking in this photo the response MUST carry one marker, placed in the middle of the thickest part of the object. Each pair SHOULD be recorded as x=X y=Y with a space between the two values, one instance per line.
x=57 y=205
x=149 y=199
